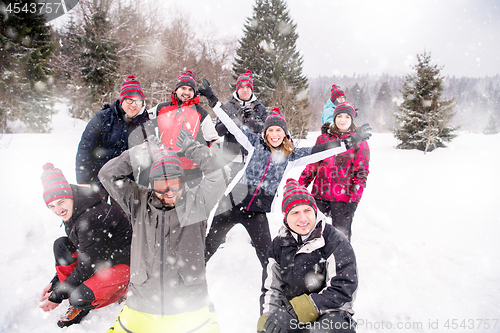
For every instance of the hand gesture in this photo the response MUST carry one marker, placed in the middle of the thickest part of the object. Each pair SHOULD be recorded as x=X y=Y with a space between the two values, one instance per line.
x=361 y=135
x=206 y=90
x=184 y=140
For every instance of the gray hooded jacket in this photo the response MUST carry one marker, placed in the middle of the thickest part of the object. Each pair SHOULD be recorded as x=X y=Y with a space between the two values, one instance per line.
x=167 y=255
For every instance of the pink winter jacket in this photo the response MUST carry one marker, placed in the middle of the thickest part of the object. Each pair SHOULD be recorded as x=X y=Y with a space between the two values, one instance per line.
x=340 y=177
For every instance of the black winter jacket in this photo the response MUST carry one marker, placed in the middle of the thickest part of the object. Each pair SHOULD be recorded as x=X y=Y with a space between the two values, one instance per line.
x=101 y=234
x=253 y=118
x=108 y=134
x=324 y=267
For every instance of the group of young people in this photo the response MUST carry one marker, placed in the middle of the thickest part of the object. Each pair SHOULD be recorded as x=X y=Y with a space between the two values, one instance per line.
x=149 y=247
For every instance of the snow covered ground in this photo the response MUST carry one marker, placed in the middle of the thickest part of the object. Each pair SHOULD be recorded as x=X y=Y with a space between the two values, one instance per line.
x=425 y=236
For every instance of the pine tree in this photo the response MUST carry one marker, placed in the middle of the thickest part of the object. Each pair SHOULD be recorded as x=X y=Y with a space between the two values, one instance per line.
x=423 y=116
x=100 y=62
x=25 y=46
x=491 y=126
x=356 y=96
x=383 y=108
x=67 y=59
x=268 y=49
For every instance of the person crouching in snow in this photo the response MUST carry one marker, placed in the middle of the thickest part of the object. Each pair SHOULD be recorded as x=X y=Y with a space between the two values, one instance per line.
x=254 y=188
x=168 y=286
x=310 y=278
x=93 y=261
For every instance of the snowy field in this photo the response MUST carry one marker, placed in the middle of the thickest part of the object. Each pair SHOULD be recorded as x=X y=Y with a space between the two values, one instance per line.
x=426 y=237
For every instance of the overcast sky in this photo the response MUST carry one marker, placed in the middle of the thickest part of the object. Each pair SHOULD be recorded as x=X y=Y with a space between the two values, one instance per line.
x=376 y=37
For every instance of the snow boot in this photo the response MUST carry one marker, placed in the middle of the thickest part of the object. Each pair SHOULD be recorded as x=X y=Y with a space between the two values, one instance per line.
x=72 y=316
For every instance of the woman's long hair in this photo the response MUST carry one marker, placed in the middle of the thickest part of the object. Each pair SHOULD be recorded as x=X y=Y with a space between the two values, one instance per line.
x=335 y=130
x=286 y=146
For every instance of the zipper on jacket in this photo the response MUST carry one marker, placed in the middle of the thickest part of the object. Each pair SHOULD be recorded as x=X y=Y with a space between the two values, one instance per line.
x=162 y=247
x=261 y=181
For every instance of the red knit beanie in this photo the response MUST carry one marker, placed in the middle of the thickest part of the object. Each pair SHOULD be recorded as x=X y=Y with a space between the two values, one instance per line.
x=131 y=88
x=295 y=195
x=186 y=79
x=275 y=118
x=55 y=185
x=336 y=92
x=344 y=108
x=245 y=78
x=166 y=164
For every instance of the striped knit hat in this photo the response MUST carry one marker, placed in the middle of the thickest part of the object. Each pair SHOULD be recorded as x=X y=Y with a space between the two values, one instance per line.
x=186 y=79
x=245 y=78
x=336 y=92
x=344 y=108
x=275 y=118
x=55 y=185
x=166 y=164
x=296 y=195
x=131 y=88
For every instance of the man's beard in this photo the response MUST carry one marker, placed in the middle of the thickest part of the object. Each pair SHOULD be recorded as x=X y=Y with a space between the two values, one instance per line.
x=168 y=204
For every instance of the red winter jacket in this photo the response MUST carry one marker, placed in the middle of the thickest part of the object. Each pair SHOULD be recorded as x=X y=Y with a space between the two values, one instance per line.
x=340 y=177
x=189 y=115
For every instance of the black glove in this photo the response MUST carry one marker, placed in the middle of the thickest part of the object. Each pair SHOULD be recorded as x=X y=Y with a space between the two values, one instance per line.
x=246 y=111
x=206 y=90
x=280 y=320
x=361 y=135
x=184 y=140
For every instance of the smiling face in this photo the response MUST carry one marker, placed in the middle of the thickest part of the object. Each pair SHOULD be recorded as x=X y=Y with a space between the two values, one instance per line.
x=132 y=106
x=275 y=135
x=343 y=122
x=62 y=208
x=301 y=219
x=184 y=93
x=168 y=190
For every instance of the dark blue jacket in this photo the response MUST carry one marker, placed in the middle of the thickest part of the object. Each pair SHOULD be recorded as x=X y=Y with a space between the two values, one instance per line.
x=108 y=134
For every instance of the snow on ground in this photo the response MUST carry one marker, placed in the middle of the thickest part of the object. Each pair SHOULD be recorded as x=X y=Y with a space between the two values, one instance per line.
x=425 y=236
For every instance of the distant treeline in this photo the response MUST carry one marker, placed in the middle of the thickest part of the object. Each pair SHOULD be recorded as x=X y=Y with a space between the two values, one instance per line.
x=376 y=98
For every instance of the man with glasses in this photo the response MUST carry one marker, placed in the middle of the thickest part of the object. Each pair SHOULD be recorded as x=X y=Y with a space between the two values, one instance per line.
x=114 y=129
x=168 y=287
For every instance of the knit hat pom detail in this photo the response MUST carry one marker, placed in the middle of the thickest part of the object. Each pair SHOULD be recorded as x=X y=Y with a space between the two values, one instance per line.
x=55 y=185
x=131 y=88
x=245 y=79
x=186 y=79
x=336 y=92
x=296 y=195
x=48 y=166
x=275 y=118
